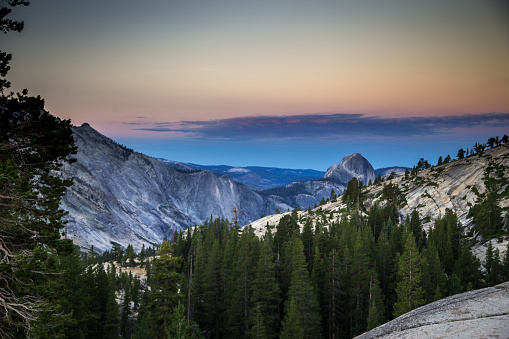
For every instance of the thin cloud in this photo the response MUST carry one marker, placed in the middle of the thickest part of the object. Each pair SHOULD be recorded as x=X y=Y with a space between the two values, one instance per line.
x=323 y=126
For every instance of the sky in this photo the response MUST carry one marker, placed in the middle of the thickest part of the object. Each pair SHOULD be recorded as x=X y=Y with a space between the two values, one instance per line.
x=280 y=83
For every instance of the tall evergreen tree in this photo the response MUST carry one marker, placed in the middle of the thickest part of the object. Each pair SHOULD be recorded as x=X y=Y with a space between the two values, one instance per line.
x=493 y=266
x=362 y=270
x=213 y=293
x=180 y=327
x=468 y=268
x=240 y=299
x=164 y=295
x=292 y=327
x=505 y=264
x=433 y=274
x=266 y=295
x=33 y=146
x=302 y=293
x=409 y=288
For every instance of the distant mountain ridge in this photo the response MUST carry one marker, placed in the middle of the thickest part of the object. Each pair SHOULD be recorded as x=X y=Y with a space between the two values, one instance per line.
x=120 y=196
x=255 y=177
x=305 y=194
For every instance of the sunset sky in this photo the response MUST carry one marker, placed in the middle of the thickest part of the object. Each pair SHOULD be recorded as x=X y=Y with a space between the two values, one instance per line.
x=295 y=84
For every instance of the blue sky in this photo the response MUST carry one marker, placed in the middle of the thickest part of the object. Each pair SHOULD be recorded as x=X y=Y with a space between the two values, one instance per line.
x=287 y=83
x=316 y=141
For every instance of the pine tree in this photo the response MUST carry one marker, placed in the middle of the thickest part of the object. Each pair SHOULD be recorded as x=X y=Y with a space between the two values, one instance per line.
x=213 y=293
x=142 y=255
x=302 y=293
x=125 y=318
x=180 y=327
x=454 y=285
x=130 y=256
x=385 y=270
x=373 y=317
x=307 y=240
x=75 y=298
x=33 y=146
x=433 y=273
x=493 y=266
x=292 y=327
x=258 y=324
x=197 y=288
x=266 y=295
x=361 y=271
x=105 y=323
x=468 y=268
x=461 y=154
x=409 y=289
x=239 y=301
x=164 y=295
x=505 y=264
x=375 y=314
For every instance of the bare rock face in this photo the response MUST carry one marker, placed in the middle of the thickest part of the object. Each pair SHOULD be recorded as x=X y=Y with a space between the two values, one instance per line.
x=482 y=313
x=457 y=186
x=121 y=196
x=353 y=165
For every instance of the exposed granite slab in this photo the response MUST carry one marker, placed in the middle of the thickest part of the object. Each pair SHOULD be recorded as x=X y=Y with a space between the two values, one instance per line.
x=482 y=313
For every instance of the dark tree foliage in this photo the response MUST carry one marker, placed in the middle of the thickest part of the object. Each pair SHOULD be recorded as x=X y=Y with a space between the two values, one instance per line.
x=350 y=276
x=461 y=153
x=164 y=296
x=33 y=146
x=487 y=215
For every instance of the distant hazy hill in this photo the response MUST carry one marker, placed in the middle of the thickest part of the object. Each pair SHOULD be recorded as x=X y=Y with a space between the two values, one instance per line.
x=255 y=177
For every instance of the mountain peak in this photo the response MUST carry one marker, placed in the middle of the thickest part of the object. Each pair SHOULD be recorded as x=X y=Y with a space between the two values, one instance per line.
x=352 y=165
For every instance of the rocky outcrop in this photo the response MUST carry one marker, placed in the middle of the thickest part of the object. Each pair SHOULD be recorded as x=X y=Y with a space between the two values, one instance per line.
x=386 y=171
x=306 y=194
x=121 y=196
x=353 y=165
x=457 y=186
x=482 y=313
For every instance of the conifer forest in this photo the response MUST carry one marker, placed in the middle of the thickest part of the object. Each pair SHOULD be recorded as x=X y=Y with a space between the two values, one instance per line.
x=328 y=273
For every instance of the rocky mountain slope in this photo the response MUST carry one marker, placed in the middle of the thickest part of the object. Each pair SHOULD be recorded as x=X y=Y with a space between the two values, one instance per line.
x=305 y=194
x=482 y=313
x=457 y=185
x=386 y=171
x=120 y=196
x=255 y=177
x=353 y=165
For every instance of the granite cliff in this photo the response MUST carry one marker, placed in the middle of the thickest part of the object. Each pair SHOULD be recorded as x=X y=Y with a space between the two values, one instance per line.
x=353 y=165
x=121 y=196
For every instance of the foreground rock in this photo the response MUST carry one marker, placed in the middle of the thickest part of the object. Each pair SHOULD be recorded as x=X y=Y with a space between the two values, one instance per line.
x=482 y=313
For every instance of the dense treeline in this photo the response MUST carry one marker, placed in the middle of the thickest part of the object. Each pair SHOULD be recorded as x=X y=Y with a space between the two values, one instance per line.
x=331 y=275
x=329 y=279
